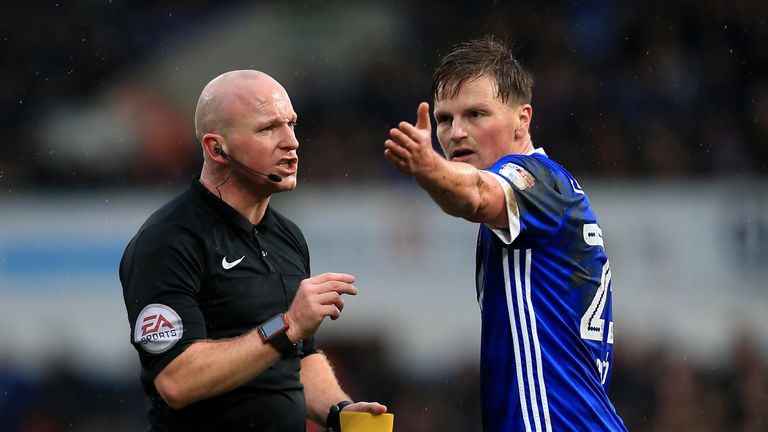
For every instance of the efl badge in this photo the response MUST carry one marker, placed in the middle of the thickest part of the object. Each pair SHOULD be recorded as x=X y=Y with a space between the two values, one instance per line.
x=521 y=178
x=158 y=328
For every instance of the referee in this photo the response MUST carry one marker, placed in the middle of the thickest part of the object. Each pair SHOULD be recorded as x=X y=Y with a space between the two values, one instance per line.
x=217 y=284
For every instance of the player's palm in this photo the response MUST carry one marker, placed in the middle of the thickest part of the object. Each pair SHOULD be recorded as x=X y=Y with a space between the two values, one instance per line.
x=409 y=148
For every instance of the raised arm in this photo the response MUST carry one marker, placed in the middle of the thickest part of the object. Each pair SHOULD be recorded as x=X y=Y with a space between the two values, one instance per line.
x=458 y=188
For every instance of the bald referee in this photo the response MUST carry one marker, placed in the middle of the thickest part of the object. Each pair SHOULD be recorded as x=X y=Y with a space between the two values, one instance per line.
x=217 y=283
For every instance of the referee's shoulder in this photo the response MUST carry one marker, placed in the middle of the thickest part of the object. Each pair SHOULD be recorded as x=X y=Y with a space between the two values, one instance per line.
x=173 y=222
x=283 y=220
x=289 y=227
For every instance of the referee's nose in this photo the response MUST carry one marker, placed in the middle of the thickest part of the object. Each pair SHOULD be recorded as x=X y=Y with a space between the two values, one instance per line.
x=289 y=140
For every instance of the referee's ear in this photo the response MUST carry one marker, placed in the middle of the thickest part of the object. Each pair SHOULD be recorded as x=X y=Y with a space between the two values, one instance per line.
x=212 y=147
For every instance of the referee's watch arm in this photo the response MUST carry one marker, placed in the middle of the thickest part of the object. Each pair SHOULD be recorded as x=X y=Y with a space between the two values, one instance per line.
x=322 y=390
x=209 y=368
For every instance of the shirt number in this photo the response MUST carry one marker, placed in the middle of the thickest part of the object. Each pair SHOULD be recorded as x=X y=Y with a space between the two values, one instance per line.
x=592 y=323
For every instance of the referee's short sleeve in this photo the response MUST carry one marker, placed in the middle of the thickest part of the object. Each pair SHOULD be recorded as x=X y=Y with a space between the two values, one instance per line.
x=161 y=273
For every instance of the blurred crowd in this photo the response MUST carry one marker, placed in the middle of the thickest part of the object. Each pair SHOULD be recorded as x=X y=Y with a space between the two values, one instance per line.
x=652 y=390
x=646 y=89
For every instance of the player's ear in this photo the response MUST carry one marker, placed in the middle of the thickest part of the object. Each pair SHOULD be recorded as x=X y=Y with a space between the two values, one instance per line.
x=524 y=115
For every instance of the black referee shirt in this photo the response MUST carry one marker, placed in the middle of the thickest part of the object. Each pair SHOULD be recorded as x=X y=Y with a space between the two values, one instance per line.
x=197 y=269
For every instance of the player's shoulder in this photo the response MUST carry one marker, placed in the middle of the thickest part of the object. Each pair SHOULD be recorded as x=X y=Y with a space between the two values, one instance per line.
x=537 y=169
x=537 y=163
x=524 y=170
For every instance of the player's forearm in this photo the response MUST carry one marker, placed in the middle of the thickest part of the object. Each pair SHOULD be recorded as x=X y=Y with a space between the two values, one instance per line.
x=456 y=187
x=209 y=368
x=321 y=389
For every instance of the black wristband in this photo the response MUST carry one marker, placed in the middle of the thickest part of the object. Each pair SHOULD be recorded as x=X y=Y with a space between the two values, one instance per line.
x=332 y=423
x=283 y=345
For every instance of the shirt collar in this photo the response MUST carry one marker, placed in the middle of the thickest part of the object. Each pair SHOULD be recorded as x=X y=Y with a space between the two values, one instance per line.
x=539 y=150
x=221 y=208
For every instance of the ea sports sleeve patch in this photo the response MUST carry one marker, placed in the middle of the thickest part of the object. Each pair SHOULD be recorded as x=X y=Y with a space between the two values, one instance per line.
x=157 y=329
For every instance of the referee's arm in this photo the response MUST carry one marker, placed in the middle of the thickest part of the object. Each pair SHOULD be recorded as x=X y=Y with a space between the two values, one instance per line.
x=322 y=390
x=211 y=367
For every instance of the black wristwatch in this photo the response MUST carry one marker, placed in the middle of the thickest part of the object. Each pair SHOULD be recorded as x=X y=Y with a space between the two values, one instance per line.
x=332 y=423
x=273 y=332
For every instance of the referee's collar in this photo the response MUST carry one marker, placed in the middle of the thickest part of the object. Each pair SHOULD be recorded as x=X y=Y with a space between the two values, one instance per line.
x=223 y=209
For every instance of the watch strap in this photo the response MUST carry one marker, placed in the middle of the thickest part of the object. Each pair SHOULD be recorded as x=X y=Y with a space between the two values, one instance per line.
x=283 y=344
x=333 y=422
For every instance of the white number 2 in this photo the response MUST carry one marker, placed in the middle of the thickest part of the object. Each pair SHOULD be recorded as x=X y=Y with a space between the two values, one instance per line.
x=592 y=325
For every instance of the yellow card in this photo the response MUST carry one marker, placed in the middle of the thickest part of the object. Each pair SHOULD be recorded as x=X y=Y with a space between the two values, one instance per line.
x=366 y=422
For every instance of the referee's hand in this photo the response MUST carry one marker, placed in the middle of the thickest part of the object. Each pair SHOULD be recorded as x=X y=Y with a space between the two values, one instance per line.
x=318 y=297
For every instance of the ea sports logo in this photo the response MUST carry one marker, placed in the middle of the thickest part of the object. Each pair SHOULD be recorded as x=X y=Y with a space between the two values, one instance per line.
x=158 y=328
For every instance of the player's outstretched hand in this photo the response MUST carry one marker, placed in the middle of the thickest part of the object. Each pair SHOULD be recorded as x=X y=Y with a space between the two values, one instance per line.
x=317 y=297
x=409 y=148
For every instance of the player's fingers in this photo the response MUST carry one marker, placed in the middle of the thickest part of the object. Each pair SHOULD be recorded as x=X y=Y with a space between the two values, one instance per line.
x=408 y=137
x=400 y=137
x=412 y=133
x=422 y=117
x=401 y=164
x=394 y=160
x=396 y=150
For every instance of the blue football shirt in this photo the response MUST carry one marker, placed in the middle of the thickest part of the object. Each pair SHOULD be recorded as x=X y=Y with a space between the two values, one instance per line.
x=544 y=289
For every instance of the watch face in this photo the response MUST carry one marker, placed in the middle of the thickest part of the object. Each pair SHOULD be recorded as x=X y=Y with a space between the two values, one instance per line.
x=273 y=325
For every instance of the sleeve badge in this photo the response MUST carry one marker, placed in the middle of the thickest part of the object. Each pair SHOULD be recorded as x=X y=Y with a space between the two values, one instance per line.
x=157 y=328
x=519 y=176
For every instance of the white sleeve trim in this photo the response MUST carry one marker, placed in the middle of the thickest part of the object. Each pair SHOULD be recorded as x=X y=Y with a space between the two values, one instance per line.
x=513 y=213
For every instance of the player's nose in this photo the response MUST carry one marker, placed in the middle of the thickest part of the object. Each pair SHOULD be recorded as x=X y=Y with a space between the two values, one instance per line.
x=457 y=131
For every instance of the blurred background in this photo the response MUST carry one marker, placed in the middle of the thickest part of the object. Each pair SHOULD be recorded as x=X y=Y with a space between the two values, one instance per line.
x=659 y=108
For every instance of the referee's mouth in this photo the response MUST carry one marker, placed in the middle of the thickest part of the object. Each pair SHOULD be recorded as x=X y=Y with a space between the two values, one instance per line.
x=288 y=165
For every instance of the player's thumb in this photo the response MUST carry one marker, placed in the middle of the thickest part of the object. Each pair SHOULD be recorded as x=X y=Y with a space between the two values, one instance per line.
x=422 y=117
